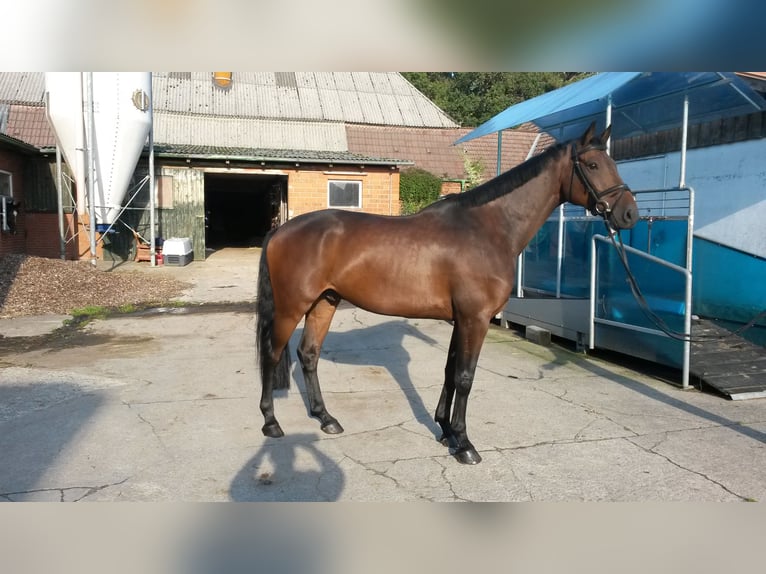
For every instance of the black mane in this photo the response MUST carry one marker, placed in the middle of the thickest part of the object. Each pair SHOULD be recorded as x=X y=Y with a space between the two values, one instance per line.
x=508 y=181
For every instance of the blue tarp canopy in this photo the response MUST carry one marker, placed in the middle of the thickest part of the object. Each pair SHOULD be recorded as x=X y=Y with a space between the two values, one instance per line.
x=642 y=103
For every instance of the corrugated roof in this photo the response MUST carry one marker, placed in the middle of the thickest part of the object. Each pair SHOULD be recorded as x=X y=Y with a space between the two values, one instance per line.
x=22 y=87
x=183 y=129
x=376 y=98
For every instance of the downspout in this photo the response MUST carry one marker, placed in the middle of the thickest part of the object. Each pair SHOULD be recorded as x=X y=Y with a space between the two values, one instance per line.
x=91 y=171
x=152 y=192
x=60 y=186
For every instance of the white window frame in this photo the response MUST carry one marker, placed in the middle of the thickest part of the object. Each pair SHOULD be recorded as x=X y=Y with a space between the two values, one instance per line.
x=357 y=182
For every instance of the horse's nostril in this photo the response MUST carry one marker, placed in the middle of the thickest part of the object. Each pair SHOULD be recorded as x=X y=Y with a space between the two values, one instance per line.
x=631 y=216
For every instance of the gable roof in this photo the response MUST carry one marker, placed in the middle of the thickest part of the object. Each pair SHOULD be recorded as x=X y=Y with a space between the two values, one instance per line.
x=371 y=98
x=291 y=115
x=432 y=149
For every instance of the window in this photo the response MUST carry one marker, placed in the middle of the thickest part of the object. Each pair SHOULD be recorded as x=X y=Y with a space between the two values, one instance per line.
x=165 y=192
x=7 y=207
x=5 y=184
x=344 y=193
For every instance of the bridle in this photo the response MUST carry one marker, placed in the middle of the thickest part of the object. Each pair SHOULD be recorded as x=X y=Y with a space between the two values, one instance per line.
x=597 y=205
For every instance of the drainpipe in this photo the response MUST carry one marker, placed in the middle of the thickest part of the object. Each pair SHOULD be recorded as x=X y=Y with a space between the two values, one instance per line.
x=91 y=171
x=60 y=185
x=152 y=239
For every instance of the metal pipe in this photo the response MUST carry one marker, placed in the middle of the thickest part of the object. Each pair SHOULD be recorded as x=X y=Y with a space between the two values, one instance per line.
x=687 y=304
x=152 y=191
x=499 y=169
x=532 y=149
x=91 y=171
x=608 y=123
x=688 y=290
x=684 y=136
x=520 y=258
x=60 y=194
x=592 y=302
x=560 y=251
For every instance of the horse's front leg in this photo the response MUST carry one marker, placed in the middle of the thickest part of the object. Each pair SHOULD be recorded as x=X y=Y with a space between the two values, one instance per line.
x=470 y=337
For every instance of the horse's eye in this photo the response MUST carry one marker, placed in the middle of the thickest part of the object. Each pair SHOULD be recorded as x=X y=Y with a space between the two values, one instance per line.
x=592 y=165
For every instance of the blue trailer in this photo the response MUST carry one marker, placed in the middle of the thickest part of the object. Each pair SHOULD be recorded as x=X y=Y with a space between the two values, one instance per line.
x=698 y=251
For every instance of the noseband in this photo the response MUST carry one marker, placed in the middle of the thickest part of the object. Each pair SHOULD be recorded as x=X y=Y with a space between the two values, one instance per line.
x=597 y=205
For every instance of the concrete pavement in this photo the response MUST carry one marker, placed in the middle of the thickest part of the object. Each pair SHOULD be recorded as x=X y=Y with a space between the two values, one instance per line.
x=163 y=406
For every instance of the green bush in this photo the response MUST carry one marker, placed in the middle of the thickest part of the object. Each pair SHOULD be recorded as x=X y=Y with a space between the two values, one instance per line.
x=417 y=189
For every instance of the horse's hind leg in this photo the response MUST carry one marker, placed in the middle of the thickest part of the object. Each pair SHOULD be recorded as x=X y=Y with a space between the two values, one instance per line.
x=444 y=407
x=276 y=372
x=317 y=324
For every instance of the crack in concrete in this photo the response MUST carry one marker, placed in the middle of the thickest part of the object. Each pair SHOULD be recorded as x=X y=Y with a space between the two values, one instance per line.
x=448 y=482
x=151 y=426
x=588 y=409
x=651 y=450
x=170 y=401
x=63 y=490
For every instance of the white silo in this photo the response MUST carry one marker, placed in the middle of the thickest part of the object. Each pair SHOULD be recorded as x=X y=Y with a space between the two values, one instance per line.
x=122 y=119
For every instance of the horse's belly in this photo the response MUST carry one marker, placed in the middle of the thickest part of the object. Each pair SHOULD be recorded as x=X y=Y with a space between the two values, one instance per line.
x=387 y=295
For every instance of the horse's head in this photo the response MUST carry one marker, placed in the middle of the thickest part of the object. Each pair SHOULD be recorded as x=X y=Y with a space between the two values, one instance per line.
x=595 y=183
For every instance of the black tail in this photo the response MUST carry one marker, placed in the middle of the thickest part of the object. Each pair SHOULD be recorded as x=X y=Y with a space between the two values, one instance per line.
x=265 y=328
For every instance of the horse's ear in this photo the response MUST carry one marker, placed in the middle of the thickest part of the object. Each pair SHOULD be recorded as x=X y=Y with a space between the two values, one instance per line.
x=605 y=136
x=588 y=135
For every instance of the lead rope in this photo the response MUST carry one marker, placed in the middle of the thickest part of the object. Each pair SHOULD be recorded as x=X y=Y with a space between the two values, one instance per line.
x=658 y=321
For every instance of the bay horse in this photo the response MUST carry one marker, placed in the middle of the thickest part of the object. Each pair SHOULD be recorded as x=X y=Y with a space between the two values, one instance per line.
x=454 y=260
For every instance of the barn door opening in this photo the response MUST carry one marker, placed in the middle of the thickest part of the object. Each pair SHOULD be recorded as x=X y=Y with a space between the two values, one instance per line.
x=240 y=209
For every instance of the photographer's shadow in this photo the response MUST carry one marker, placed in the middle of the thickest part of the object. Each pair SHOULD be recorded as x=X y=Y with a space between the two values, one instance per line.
x=289 y=469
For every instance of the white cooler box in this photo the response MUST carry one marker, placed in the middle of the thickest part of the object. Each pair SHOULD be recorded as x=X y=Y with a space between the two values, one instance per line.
x=177 y=251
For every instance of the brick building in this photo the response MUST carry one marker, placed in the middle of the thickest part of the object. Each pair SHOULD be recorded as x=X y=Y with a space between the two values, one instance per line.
x=236 y=153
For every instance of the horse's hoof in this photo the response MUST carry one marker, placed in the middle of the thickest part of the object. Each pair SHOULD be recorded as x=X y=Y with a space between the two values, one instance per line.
x=468 y=456
x=332 y=428
x=272 y=430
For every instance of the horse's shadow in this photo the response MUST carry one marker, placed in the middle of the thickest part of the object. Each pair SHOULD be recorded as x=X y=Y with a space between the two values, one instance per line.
x=381 y=345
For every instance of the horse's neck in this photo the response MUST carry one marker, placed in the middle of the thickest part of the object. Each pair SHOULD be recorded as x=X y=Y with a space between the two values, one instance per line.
x=522 y=212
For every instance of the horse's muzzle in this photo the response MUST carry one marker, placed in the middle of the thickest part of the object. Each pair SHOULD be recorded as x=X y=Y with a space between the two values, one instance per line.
x=624 y=217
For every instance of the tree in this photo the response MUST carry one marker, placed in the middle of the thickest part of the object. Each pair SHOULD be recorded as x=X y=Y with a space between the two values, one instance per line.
x=417 y=189
x=471 y=98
